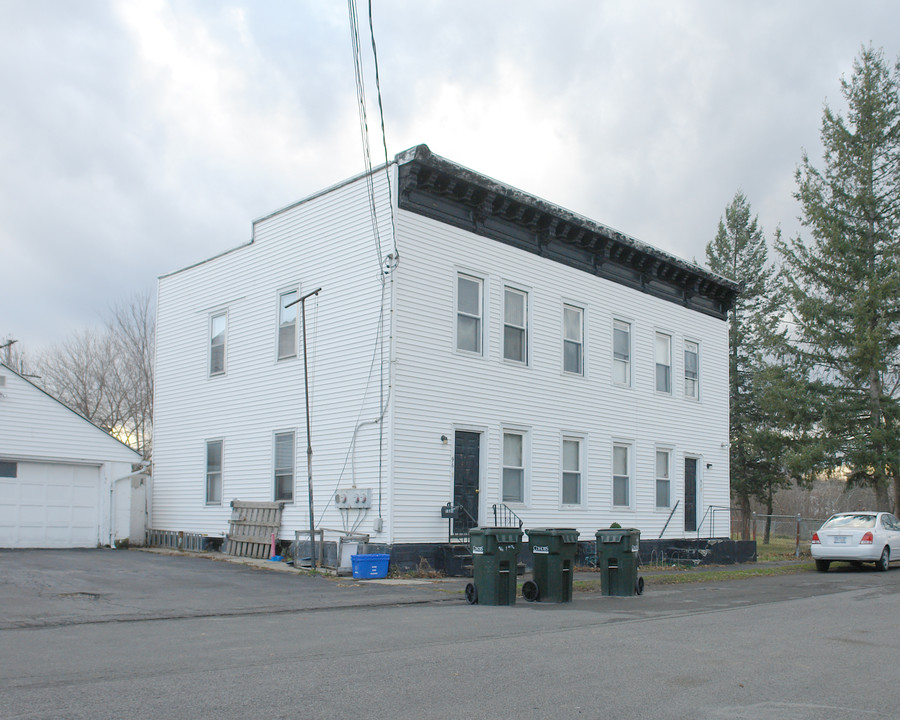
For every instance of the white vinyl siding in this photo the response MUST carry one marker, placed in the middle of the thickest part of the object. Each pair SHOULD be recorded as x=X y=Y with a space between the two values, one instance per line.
x=513 y=467
x=663 y=356
x=214 y=472
x=573 y=340
x=663 y=479
x=571 y=471
x=691 y=370
x=469 y=309
x=288 y=310
x=434 y=387
x=59 y=471
x=621 y=353
x=515 y=325
x=621 y=479
x=218 y=327
x=320 y=242
x=284 y=466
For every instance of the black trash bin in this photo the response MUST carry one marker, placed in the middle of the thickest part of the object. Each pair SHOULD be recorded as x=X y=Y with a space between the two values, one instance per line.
x=495 y=554
x=617 y=558
x=554 y=552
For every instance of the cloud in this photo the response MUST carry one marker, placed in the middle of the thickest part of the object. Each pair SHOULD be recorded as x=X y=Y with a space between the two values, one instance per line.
x=139 y=137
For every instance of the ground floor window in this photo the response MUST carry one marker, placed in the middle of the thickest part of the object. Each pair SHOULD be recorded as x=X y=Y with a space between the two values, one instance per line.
x=621 y=475
x=284 y=466
x=214 y=472
x=662 y=478
x=571 y=471
x=513 y=467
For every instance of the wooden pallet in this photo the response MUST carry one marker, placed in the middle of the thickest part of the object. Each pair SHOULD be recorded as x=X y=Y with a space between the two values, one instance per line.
x=251 y=527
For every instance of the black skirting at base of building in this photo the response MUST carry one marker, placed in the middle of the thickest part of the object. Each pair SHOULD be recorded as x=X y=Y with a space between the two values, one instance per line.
x=454 y=559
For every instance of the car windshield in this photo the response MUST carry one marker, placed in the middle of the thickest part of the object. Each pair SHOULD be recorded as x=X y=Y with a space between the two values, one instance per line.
x=850 y=521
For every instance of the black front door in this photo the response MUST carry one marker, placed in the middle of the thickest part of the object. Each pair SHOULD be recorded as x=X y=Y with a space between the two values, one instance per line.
x=690 y=494
x=466 y=456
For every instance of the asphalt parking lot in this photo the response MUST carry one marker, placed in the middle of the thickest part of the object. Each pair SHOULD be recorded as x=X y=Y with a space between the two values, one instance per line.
x=95 y=634
x=46 y=588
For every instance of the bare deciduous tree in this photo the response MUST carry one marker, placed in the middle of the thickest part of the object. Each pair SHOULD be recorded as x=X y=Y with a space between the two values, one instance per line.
x=107 y=375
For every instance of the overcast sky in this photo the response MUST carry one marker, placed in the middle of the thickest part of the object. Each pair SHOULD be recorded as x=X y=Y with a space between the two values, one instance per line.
x=139 y=136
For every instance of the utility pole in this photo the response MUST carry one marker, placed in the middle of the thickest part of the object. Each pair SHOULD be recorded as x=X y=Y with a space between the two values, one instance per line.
x=309 y=452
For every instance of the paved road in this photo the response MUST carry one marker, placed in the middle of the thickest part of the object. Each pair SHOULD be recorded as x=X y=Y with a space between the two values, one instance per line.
x=182 y=637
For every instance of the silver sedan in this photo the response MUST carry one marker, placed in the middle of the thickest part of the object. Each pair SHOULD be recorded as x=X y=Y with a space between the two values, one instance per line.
x=857 y=537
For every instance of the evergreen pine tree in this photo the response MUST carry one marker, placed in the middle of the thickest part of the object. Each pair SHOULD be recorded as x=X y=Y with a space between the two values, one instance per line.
x=739 y=252
x=843 y=281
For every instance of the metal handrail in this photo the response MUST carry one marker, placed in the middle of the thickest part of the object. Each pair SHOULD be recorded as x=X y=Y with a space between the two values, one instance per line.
x=669 y=519
x=453 y=513
x=505 y=517
x=711 y=510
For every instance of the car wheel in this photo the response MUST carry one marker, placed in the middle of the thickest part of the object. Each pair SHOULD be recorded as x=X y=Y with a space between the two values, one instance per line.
x=884 y=561
x=822 y=565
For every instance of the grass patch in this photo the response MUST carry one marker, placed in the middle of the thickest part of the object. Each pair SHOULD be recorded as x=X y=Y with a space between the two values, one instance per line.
x=779 y=548
x=696 y=575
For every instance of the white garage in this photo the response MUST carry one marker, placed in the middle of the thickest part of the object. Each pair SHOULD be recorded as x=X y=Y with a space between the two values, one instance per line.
x=64 y=483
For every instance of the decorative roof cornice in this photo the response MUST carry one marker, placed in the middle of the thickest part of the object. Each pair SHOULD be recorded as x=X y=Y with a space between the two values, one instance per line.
x=437 y=188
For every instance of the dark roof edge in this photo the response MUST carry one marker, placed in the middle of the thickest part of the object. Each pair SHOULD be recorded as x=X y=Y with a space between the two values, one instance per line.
x=455 y=194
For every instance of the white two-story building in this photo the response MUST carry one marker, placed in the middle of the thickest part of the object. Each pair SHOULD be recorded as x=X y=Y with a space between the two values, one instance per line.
x=470 y=344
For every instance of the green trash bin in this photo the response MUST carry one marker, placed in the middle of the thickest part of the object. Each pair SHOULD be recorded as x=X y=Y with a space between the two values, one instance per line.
x=554 y=551
x=617 y=559
x=495 y=554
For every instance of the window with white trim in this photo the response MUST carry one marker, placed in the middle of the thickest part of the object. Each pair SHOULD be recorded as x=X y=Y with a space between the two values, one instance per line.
x=571 y=471
x=515 y=325
x=621 y=475
x=218 y=326
x=287 y=324
x=213 y=472
x=573 y=340
x=621 y=352
x=469 y=302
x=513 y=467
x=284 y=466
x=691 y=370
x=663 y=355
x=663 y=482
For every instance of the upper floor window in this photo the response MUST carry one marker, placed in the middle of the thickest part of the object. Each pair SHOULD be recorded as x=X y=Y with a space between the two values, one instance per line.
x=621 y=352
x=513 y=467
x=469 y=302
x=287 y=324
x=571 y=471
x=662 y=478
x=214 y=472
x=515 y=325
x=573 y=339
x=284 y=466
x=663 y=354
x=621 y=475
x=691 y=370
x=218 y=325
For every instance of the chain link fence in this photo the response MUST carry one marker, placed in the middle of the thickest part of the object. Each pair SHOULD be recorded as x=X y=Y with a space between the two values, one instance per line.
x=795 y=530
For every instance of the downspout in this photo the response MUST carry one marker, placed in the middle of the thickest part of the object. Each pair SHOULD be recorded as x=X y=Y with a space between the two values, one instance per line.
x=112 y=489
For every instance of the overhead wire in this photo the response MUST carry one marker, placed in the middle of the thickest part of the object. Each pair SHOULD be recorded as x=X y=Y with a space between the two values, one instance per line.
x=387 y=172
x=359 y=75
x=387 y=263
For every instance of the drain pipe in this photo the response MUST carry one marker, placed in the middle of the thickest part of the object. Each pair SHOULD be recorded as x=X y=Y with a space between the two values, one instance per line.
x=112 y=489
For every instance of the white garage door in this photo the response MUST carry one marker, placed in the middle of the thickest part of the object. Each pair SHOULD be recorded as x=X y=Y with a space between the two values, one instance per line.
x=50 y=506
